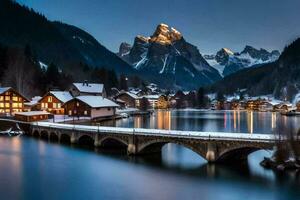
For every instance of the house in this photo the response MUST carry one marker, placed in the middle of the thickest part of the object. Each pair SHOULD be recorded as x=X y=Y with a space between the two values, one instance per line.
x=87 y=89
x=11 y=101
x=283 y=107
x=131 y=100
x=163 y=102
x=153 y=99
x=53 y=102
x=298 y=106
x=90 y=106
x=32 y=116
x=33 y=105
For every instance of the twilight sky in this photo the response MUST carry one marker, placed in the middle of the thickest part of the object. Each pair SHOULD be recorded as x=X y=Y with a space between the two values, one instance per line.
x=208 y=24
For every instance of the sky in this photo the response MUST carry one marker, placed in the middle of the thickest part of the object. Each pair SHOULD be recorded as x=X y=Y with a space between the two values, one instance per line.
x=208 y=24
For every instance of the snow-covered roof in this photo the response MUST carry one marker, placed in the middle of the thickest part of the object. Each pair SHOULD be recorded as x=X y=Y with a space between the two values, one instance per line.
x=97 y=101
x=130 y=94
x=89 y=87
x=4 y=89
x=150 y=96
x=63 y=96
x=32 y=113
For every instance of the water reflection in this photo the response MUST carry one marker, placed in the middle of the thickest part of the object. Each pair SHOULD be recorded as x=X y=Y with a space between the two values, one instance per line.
x=220 y=121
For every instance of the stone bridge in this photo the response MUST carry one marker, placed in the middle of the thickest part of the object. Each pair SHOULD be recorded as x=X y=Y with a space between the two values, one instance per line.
x=214 y=147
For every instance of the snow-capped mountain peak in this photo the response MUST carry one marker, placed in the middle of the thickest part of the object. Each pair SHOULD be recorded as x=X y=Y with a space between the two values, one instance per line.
x=167 y=57
x=165 y=34
x=228 y=62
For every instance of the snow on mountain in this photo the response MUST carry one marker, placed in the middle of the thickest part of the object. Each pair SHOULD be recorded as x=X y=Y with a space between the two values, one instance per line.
x=167 y=59
x=228 y=62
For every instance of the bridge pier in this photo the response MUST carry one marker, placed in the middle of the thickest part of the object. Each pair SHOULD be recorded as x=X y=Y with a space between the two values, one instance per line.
x=73 y=139
x=131 y=149
x=97 y=143
x=211 y=152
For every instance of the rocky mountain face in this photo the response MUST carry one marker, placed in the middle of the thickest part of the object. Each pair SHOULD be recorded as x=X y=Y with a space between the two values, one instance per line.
x=169 y=60
x=228 y=62
x=279 y=78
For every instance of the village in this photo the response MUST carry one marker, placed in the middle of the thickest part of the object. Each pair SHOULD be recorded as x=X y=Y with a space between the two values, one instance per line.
x=89 y=101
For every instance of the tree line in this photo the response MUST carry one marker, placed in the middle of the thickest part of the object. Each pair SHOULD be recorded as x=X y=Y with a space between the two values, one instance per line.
x=20 y=69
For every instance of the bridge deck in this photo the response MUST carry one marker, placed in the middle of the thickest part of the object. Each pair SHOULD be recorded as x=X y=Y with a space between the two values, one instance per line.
x=157 y=132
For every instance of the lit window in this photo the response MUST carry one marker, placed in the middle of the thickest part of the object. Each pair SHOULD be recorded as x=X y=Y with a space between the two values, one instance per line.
x=20 y=105
x=49 y=99
x=15 y=98
x=54 y=105
x=15 y=105
x=1 y=105
x=1 y=98
x=43 y=105
x=77 y=104
x=85 y=112
x=1 y=111
x=70 y=112
x=7 y=98
x=46 y=105
x=59 y=105
x=7 y=105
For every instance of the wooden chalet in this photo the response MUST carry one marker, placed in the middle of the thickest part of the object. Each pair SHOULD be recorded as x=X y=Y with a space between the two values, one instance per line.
x=53 y=102
x=130 y=100
x=11 y=101
x=90 y=106
x=32 y=116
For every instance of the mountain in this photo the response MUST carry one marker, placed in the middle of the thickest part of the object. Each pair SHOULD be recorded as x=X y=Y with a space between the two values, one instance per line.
x=62 y=44
x=280 y=78
x=228 y=62
x=168 y=59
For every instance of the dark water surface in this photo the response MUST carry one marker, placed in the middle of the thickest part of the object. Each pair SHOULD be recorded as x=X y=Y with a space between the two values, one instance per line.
x=35 y=169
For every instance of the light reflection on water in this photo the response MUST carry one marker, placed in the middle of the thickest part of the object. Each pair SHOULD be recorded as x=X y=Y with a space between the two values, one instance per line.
x=34 y=169
x=219 y=121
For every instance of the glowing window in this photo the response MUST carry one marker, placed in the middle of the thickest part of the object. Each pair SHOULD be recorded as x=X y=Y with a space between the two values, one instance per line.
x=15 y=98
x=15 y=105
x=49 y=99
x=54 y=105
x=85 y=112
x=59 y=105
x=7 y=98
x=1 y=105
x=1 y=98
x=7 y=105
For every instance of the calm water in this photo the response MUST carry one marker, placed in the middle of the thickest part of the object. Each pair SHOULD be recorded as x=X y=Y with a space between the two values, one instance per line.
x=36 y=169
x=220 y=121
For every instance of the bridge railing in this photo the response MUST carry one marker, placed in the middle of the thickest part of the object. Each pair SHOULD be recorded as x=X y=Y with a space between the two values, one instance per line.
x=159 y=132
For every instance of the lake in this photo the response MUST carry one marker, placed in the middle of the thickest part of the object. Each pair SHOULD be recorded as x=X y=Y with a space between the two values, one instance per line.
x=35 y=169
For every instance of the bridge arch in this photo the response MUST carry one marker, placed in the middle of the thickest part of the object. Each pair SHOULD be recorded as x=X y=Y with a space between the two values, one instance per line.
x=111 y=141
x=53 y=136
x=65 y=138
x=44 y=134
x=86 y=140
x=36 y=133
x=236 y=153
x=156 y=146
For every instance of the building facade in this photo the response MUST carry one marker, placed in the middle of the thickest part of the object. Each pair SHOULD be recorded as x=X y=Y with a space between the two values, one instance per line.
x=11 y=101
x=90 y=106
x=53 y=102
